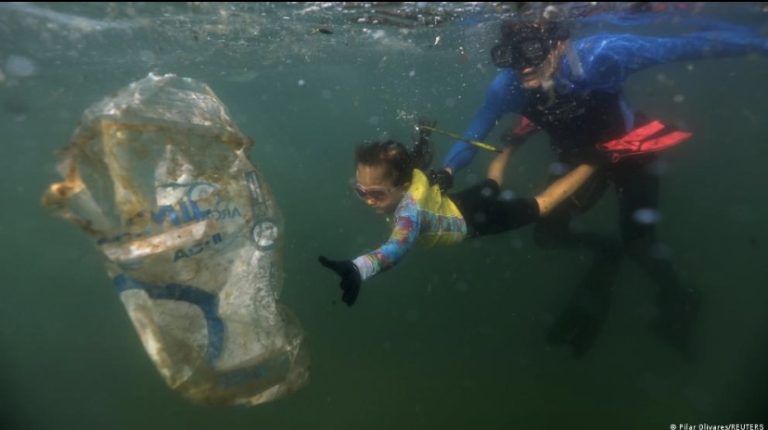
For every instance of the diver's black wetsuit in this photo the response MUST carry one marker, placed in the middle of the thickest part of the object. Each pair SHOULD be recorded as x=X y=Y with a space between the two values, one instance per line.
x=576 y=123
x=585 y=107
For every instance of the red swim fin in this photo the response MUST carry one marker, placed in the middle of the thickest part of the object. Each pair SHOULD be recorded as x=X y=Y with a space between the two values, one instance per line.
x=643 y=140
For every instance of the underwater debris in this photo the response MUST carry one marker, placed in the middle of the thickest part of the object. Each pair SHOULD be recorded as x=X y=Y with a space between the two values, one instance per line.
x=159 y=177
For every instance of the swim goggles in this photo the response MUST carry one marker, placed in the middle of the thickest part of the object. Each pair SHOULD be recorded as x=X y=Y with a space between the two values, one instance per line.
x=375 y=192
x=520 y=54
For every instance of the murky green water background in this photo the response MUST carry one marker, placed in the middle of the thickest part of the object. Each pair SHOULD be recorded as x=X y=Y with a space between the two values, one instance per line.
x=454 y=337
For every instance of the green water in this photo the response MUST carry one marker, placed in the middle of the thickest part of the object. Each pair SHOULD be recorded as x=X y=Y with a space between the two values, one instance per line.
x=453 y=337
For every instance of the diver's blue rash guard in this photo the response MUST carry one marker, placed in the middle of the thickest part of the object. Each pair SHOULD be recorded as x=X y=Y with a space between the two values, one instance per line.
x=606 y=60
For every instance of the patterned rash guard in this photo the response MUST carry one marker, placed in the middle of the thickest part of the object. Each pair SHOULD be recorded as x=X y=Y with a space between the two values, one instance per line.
x=600 y=64
x=425 y=217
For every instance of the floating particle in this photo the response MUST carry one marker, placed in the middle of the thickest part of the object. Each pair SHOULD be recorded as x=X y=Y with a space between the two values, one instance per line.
x=558 y=169
x=507 y=195
x=20 y=67
x=646 y=216
x=486 y=192
x=461 y=286
x=147 y=56
x=662 y=78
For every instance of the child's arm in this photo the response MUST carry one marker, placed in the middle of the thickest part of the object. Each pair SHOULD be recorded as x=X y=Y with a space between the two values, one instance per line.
x=403 y=237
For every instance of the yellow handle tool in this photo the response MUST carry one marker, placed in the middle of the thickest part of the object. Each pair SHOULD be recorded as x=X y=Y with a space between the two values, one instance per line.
x=482 y=145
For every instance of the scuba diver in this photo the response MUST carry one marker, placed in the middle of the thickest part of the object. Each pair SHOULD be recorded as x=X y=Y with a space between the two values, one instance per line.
x=573 y=91
x=392 y=180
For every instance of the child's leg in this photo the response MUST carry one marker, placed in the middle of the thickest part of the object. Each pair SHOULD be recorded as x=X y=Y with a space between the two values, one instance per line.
x=485 y=213
x=563 y=188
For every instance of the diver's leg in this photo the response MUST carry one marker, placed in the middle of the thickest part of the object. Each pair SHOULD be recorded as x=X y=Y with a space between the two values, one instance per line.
x=579 y=324
x=638 y=190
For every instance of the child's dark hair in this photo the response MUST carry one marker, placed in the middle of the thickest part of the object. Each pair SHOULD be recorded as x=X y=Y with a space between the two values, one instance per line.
x=392 y=154
x=399 y=160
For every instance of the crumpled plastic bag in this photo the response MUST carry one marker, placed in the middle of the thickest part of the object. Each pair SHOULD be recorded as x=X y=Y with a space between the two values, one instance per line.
x=158 y=176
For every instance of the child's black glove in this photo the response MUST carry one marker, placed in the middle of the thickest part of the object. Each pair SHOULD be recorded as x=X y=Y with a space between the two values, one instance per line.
x=440 y=177
x=350 y=278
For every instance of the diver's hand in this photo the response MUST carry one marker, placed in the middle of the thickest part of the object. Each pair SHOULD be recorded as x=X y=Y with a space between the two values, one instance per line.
x=443 y=178
x=517 y=135
x=350 y=278
x=512 y=138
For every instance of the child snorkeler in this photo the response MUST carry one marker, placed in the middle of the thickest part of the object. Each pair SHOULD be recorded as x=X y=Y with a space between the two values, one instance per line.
x=394 y=181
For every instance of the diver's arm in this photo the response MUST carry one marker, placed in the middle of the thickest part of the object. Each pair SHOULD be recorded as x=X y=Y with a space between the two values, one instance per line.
x=403 y=237
x=563 y=188
x=503 y=96
x=610 y=59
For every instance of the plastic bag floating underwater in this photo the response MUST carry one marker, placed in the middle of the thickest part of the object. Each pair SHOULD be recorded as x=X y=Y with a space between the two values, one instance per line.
x=159 y=177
